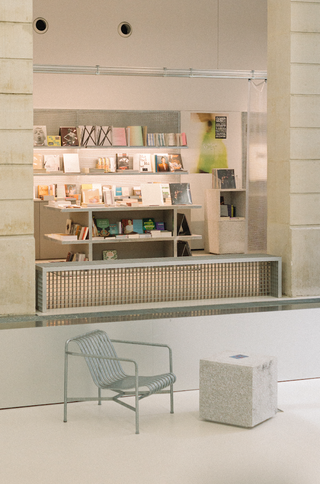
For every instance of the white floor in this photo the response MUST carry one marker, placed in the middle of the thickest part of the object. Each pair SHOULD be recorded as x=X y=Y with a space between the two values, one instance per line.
x=98 y=444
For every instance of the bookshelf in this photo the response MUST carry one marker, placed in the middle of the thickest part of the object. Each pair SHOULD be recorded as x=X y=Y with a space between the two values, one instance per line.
x=127 y=248
x=225 y=235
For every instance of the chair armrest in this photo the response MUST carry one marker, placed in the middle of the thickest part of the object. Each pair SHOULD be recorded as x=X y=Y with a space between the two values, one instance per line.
x=88 y=355
x=147 y=344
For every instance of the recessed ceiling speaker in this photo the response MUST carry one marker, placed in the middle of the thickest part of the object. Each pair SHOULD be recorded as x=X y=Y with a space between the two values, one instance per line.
x=40 y=25
x=125 y=29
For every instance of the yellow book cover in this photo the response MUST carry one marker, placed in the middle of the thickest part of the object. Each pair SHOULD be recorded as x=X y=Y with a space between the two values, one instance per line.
x=54 y=140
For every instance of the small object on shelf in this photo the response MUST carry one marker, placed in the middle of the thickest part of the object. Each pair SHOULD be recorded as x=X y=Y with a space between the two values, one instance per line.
x=69 y=136
x=149 y=224
x=175 y=162
x=104 y=135
x=39 y=136
x=223 y=179
x=162 y=162
x=109 y=255
x=183 y=248
x=71 y=163
x=102 y=225
x=180 y=193
x=151 y=194
x=54 y=140
x=182 y=225
x=122 y=162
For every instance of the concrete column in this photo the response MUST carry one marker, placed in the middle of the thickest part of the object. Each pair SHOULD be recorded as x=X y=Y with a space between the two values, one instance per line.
x=294 y=142
x=17 y=281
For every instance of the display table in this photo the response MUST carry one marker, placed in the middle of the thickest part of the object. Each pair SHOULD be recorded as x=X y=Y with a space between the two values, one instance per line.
x=238 y=389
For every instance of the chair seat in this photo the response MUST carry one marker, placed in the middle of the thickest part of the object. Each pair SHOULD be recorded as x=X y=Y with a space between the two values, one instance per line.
x=154 y=383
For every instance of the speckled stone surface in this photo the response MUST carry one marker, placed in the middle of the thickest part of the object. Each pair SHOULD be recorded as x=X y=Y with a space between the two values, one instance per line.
x=238 y=391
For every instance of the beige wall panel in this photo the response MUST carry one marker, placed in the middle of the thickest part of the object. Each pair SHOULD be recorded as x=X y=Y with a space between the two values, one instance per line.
x=304 y=209
x=305 y=79
x=279 y=243
x=305 y=48
x=17 y=286
x=305 y=17
x=16 y=217
x=16 y=147
x=305 y=144
x=16 y=76
x=305 y=111
x=16 y=182
x=305 y=176
x=16 y=11
x=15 y=40
x=306 y=261
x=278 y=192
x=16 y=111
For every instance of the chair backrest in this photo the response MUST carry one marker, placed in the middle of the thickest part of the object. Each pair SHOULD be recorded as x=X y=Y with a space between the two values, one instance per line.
x=103 y=372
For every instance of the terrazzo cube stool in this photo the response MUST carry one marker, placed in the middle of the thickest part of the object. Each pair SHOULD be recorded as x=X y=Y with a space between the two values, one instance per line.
x=238 y=389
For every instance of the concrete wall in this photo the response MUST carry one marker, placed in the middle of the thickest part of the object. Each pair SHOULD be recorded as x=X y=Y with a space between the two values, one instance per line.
x=16 y=196
x=293 y=142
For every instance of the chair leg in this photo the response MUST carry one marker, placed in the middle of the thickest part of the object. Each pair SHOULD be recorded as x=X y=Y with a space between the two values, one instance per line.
x=65 y=399
x=171 y=399
x=99 y=396
x=137 y=402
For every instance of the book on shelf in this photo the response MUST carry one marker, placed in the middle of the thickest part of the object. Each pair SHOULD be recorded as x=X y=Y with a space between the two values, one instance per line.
x=71 y=189
x=84 y=233
x=39 y=136
x=180 y=193
x=137 y=224
x=69 y=136
x=160 y=226
x=51 y=162
x=91 y=196
x=71 y=163
x=223 y=179
x=76 y=229
x=175 y=162
x=87 y=135
x=54 y=140
x=37 y=161
x=183 y=248
x=122 y=162
x=104 y=135
x=148 y=224
x=63 y=237
x=119 y=137
x=162 y=162
x=151 y=194
x=109 y=254
x=166 y=191
x=142 y=162
x=114 y=228
x=43 y=190
x=136 y=191
x=171 y=139
x=107 y=195
x=135 y=136
x=182 y=225
x=127 y=226
x=227 y=210
x=68 y=226
x=102 y=225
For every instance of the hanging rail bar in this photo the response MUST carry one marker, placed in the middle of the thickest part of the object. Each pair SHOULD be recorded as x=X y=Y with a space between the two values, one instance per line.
x=149 y=72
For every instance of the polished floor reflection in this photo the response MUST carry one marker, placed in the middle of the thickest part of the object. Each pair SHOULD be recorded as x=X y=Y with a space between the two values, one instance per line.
x=98 y=444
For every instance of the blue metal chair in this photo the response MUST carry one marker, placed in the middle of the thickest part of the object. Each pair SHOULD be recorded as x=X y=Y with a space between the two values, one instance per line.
x=107 y=372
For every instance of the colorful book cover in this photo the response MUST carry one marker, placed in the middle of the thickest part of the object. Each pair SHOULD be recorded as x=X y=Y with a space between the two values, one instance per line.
x=127 y=226
x=109 y=255
x=180 y=193
x=138 y=225
x=54 y=140
x=69 y=136
x=162 y=162
x=122 y=162
x=148 y=224
x=175 y=162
